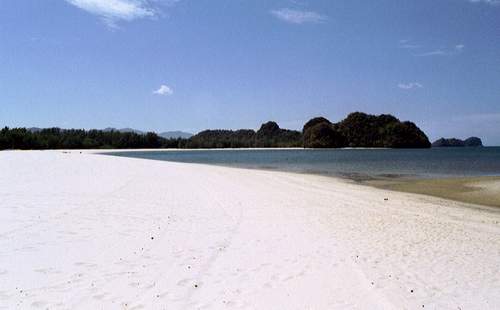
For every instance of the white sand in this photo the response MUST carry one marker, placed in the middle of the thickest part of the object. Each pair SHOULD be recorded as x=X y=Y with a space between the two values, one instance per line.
x=86 y=231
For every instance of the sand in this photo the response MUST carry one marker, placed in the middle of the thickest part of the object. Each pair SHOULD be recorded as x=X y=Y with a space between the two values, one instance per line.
x=86 y=231
x=474 y=190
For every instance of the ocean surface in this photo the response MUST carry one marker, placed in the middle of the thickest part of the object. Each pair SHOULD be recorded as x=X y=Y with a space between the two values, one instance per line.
x=358 y=164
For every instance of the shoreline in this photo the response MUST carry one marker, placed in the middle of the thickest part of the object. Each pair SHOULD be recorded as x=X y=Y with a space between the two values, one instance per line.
x=477 y=190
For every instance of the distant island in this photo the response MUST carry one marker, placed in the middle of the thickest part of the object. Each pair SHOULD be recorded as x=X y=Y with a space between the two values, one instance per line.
x=356 y=130
x=454 y=142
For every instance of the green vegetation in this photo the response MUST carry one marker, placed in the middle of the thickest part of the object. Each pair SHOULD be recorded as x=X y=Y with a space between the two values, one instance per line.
x=269 y=135
x=364 y=130
x=321 y=133
x=357 y=130
x=56 y=138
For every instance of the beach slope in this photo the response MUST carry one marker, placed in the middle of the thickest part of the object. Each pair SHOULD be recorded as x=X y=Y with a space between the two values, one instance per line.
x=85 y=231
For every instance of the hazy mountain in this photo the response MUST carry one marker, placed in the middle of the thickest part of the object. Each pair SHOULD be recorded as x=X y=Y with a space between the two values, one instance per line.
x=175 y=134
x=123 y=130
x=166 y=134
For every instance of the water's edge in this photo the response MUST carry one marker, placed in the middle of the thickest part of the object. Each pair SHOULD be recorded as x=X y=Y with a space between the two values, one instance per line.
x=377 y=168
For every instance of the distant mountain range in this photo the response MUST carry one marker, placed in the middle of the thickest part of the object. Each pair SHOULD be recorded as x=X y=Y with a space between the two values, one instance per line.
x=166 y=134
x=175 y=134
x=139 y=132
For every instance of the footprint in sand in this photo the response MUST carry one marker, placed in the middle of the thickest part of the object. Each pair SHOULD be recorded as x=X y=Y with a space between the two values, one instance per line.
x=4 y=296
x=84 y=264
x=184 y=282
x=162 y=295
x=100 y=296
x=39 y=304
x=134 y=284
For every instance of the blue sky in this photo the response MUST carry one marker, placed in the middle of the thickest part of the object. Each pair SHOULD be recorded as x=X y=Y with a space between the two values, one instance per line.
x=190 y=65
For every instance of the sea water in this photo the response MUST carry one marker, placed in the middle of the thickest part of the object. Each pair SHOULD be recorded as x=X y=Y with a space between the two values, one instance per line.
x=352 y=163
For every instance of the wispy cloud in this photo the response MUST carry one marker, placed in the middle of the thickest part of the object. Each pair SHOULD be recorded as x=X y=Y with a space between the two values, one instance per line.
x=164 y=90
x=457 y=49
x=433 y=53
x=298 y=16
x=114 y=11
x=411 y=85
x=408 y=44
x=492 y=2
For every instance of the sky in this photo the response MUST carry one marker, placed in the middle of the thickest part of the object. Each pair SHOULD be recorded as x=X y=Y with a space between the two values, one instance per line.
x=191 y=65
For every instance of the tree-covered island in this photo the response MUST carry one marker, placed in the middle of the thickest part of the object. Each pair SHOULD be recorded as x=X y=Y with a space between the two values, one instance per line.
x=356 y=130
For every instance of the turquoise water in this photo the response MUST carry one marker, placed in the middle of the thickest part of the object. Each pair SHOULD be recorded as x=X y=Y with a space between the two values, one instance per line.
x=352 y=163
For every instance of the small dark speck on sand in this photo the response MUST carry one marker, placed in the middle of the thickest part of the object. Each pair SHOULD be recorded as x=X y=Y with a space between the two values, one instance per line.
x=152 y=238
x=411 y=291
x=196 y=285
x=386 y=199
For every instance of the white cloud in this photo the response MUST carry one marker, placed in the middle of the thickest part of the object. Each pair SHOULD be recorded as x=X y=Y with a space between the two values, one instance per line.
x=411 y=85
x=457 y=49
x=113 y=11
x=434 y=53
x=298 y=17
x=164 y=90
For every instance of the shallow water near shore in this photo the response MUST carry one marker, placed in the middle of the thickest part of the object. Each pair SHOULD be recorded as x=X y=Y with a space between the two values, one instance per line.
x=357 y=164
x=470 y=175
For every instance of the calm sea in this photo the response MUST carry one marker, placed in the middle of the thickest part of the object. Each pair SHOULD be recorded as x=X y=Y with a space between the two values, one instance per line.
x=352 y=163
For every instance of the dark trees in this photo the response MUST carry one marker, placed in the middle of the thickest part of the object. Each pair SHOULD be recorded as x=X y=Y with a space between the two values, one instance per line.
x=56 y=138
x=364 y=130
x=321 y=133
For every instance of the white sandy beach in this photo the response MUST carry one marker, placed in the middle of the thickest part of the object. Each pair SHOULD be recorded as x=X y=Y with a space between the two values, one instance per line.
x=87 y=231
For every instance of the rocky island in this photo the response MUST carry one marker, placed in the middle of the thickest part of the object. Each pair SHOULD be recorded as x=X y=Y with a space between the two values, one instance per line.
x=454 y=142
x=363 y=130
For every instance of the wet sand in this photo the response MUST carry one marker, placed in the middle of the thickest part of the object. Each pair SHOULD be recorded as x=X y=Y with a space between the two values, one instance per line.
x=475 y=190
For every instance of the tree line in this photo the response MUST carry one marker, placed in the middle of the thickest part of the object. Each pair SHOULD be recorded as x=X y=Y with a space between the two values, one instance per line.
x=57 y=138
x=357 y=130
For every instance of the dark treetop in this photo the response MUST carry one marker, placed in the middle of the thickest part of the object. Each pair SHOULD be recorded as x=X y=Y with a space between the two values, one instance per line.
x=364 y=130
